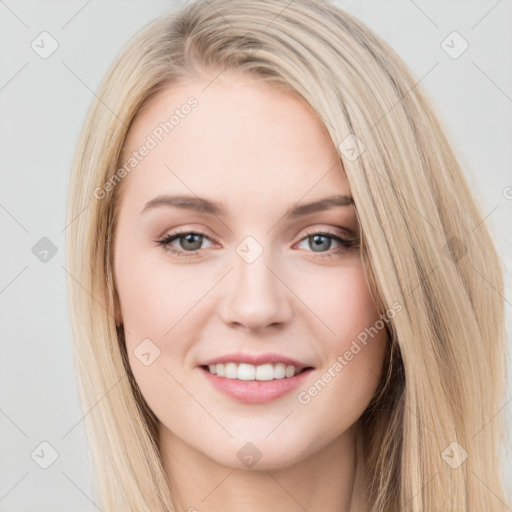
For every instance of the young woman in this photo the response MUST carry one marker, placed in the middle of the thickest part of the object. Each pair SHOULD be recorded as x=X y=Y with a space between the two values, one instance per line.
x=283 y=295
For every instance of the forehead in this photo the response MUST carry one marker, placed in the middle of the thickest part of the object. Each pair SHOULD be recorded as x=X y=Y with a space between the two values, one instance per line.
x=240 y=135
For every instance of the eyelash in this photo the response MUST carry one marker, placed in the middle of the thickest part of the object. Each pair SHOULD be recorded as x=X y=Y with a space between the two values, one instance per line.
x=345 y=244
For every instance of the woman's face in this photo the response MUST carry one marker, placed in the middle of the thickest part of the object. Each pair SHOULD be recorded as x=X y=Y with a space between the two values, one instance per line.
x=241 y=272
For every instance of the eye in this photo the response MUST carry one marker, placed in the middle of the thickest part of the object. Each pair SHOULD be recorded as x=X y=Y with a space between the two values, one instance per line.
x=322 y=241
x=189 y=243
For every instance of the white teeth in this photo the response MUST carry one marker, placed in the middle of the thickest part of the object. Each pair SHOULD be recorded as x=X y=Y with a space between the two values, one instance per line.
x=231 y=371
x=280 y=371
x=290 y=371
x=244 y=371
x=265 y=372
x=221 y=369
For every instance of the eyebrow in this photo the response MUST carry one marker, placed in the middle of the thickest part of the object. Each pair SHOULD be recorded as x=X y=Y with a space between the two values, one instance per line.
x=203 y=205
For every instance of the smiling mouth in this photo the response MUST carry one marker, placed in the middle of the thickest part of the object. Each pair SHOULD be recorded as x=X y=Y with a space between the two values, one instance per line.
x=249 y=372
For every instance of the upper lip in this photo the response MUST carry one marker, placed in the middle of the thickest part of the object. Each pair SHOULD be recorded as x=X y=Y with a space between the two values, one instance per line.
x=256 y=359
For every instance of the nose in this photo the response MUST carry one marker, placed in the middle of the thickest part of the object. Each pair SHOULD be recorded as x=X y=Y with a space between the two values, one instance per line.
x=256 y=297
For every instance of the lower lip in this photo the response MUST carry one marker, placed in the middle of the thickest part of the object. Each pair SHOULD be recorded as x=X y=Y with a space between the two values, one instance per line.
x=256 y=391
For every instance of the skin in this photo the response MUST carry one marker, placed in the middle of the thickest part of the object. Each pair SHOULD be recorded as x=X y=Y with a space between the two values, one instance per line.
x=258 y=151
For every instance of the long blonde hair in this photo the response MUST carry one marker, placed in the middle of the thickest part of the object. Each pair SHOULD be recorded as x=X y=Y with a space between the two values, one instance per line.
x=424 y=245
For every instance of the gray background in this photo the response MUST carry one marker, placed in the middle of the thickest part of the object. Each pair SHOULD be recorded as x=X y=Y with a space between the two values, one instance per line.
x=43 y=104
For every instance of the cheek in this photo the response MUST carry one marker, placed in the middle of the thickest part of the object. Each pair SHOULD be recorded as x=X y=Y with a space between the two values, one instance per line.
x=341 y=300
x=163 y=315
x=155 y=299
x=155 y=296
x=353 y=340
